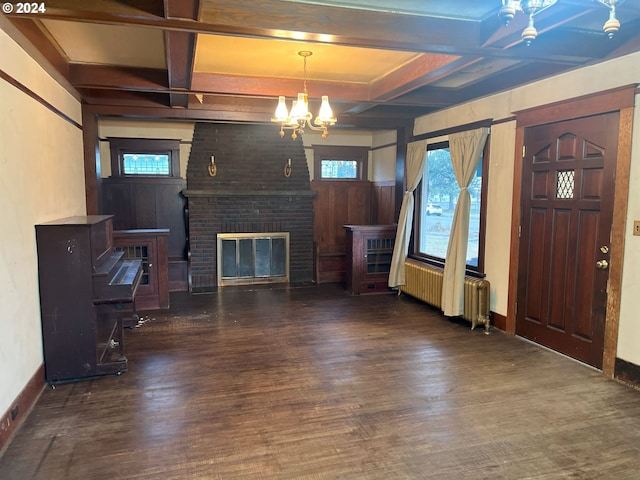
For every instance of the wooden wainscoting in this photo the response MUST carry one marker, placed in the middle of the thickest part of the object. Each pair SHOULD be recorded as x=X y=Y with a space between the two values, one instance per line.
x=383 y=197
x=338 y=203
x=342 y=203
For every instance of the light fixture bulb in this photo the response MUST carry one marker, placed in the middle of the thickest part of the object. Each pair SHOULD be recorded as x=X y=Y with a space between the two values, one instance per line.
x=303 y=106
x=281 y=110
x=293 y=118
x=325 y=115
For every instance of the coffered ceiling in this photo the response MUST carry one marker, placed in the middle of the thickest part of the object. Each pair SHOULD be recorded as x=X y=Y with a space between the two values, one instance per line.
x=381 y=63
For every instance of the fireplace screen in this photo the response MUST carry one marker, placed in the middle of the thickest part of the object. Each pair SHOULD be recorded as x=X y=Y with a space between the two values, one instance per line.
x=246 y=258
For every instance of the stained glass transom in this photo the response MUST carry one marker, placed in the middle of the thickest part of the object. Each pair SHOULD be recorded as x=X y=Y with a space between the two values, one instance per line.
x=145 y=164
x=339 y=169
x=565 y=183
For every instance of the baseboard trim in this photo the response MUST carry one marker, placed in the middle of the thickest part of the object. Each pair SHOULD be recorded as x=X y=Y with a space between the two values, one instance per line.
x=627 y=372
x=499 y=321
x=20 y=407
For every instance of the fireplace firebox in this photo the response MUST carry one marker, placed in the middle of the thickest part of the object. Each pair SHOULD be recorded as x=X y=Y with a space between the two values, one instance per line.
x=248 y=258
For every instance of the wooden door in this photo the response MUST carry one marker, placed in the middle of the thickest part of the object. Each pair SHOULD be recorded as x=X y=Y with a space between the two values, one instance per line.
x=567 y=211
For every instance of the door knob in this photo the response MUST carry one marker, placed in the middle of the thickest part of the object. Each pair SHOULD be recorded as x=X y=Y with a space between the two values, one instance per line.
x=604 y=249
x=602 y=264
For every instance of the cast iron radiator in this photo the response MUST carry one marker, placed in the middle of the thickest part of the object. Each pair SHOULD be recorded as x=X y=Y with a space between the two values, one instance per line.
x=424 y=282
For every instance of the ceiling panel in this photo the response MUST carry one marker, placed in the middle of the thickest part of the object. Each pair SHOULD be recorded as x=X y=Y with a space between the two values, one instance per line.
x=474 y=72
x=109 y=44
x=280 y=59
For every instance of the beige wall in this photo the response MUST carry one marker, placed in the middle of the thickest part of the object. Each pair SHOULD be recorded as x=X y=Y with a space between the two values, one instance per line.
x=382 y=162
x=41 y=159
x=383 y=158
x=607 y=75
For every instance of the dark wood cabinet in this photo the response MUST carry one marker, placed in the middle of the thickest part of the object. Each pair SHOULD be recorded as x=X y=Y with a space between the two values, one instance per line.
x=150 y=247
x=368 y=253
x=85 y=290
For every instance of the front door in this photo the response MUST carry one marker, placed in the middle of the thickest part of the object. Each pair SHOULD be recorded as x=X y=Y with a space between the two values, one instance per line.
x=567 y=211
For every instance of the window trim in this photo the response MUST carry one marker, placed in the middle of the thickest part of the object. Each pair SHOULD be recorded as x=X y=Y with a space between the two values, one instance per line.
x=120 y=146
x=413 y=245
x=329 y=152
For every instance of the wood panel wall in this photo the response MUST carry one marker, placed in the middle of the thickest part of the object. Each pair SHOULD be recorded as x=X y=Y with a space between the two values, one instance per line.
x=383 y=197
x=141 y=203
x=338 y=203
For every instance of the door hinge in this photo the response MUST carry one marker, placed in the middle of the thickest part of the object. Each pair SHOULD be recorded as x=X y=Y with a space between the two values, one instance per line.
x=524 y=151
x=516 y=308
x=519 y=231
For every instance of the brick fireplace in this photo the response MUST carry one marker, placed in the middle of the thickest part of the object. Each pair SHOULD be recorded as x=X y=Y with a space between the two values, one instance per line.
x=249 y=193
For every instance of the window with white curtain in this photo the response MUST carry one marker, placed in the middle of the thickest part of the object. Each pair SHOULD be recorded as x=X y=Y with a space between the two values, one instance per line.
x=436 y=199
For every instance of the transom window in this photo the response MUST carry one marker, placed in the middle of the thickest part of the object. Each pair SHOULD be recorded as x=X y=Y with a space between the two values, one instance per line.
x=146 y=163
x=144 y=157
x=339 y=168
x=340 y=163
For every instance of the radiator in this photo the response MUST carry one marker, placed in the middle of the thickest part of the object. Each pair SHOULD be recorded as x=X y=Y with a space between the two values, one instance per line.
x=424 y=282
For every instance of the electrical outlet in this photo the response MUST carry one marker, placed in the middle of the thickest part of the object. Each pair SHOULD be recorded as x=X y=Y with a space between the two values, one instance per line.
x=636 y=228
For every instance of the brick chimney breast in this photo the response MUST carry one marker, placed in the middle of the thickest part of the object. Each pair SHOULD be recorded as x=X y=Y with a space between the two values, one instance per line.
x=248 y=194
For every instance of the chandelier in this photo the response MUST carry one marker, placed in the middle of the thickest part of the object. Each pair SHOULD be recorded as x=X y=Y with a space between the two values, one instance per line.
x=299 y=117
x=533 y=7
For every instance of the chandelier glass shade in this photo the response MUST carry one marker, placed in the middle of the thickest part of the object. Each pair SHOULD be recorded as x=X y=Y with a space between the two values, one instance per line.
x=532 y=7
x=299 y=117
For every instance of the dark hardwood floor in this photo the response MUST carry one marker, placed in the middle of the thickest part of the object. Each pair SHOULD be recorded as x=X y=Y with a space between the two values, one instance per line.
x=312 y=383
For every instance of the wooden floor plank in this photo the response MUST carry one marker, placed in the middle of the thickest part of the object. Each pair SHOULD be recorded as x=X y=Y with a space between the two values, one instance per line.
x=283 y=383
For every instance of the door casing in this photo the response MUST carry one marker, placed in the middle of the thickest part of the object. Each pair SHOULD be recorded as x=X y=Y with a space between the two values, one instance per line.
x=621 y=100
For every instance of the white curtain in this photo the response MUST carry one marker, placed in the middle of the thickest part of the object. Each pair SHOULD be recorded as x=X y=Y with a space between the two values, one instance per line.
x=414 y=166
x=466 y=150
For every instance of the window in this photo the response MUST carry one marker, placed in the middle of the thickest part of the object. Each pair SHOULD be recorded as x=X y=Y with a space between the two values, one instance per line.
x=435 y=204
x=340 y=163
x=144 y=157
x=339 y=168
x=141 y=163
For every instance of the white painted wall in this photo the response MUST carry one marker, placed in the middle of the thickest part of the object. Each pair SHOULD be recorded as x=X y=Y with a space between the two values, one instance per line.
x=604 y=76
x=41 y=160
